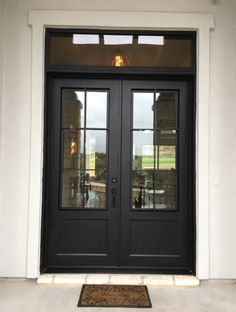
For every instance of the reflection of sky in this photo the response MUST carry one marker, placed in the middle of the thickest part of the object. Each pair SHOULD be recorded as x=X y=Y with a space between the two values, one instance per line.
x=95 y=141
x=96 y=109
x=143 y=143
x=143 y=110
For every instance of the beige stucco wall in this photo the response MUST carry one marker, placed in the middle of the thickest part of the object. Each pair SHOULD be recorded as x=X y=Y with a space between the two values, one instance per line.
x=16 y=112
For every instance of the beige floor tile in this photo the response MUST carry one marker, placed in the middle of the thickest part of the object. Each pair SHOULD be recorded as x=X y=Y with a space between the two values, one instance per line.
x=158 y=280
x=69 y=279
x=185 y=280
x=97 y=279
x=45 y=279
x=125 y=279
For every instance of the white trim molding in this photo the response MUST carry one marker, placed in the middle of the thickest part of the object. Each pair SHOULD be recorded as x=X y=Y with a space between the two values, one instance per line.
x=202 y=23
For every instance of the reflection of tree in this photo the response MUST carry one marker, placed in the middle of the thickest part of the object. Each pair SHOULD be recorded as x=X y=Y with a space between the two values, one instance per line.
x=100 y=162
x=98 y=177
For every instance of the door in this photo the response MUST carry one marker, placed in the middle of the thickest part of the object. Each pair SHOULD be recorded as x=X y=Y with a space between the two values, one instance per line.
x=118 y=176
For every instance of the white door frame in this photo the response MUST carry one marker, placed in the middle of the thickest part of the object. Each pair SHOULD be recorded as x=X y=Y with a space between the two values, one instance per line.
x=202 y=23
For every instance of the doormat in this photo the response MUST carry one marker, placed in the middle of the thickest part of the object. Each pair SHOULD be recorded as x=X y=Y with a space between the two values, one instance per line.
x=127 y=296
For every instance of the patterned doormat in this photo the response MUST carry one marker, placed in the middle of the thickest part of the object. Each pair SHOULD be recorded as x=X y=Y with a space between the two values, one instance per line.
x=127 y=296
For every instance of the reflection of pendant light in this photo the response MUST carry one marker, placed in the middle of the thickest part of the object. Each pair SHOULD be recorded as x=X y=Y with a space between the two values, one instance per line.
x=73 y=147
x=73 y=144
x=118 y=60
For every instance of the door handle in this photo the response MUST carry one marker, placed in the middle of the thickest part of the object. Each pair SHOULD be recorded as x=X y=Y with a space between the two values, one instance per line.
x=113 y=198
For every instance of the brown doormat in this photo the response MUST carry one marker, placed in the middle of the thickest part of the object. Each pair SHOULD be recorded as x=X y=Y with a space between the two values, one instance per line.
x=128 y=296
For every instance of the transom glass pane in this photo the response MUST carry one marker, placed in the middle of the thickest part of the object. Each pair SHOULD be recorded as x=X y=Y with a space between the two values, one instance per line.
x=120 y=50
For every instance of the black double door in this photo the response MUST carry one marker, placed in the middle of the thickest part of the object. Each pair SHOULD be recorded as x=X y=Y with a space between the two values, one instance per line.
x=118 y=176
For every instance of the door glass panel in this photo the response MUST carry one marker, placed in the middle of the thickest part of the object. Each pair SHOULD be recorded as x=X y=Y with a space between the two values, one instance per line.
x=96 y=109
x=143 y=110
x=73 y=149
x=73 y=108
x=143 y=151
x=95 y=189
x=142 y=189
x=165 y=110
x=154 y=149
x=84 y=150
x=165 y=157
x=165 y=189
x=72 y=189
x=165 y=150
x=96 y=149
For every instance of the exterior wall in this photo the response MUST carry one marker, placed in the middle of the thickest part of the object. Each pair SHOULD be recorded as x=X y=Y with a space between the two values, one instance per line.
x=1 y=63
x=16 y=114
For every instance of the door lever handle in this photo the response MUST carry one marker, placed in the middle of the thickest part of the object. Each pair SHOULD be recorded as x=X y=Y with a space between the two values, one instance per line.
x=113 y=198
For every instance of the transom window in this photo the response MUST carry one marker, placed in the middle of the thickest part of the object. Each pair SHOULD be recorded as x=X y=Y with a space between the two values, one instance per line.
x=117 y=49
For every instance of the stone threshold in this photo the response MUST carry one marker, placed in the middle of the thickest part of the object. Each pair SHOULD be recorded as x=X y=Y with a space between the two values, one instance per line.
x=116 y=279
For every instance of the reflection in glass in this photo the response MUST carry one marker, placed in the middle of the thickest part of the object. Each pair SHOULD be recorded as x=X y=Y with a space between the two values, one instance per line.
x=73 y=108
x=96 y=109
x=166 y=159
x=72 y=189
x=143 y=110
x=165 y=110
x=143 y=152
x=165 y=189
x=96 y=149
x=73 y=145
x=154 y=150
x=117 y=39
x=85 y=39
x=156 y=40
x=142 y=189
x=142 y=50
x=95 y=189
x=165 y=137
x=165 y=149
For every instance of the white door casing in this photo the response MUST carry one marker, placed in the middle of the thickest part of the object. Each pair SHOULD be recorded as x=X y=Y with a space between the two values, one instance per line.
x=202 y=24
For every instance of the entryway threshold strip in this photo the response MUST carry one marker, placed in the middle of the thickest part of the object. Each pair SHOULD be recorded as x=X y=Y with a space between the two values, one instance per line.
x=119 y=279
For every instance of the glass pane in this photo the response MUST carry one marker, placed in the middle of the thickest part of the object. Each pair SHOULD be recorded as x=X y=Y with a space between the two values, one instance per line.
x=165 y=150
x=143 y=110
x=166 y=110
x=96 y=156
x=96 y=109
x=142 y=189
x=143 y=151
x=73 y=149
x=120 y=50
x=72 y=189
x=73 y=108
x=165 y=189
x=95 y=189
x=166 y=159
